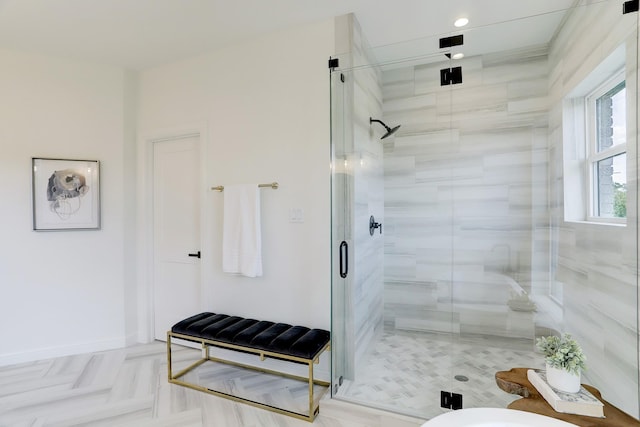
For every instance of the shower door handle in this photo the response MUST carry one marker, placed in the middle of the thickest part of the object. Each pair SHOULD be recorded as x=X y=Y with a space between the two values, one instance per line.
x=344 y=259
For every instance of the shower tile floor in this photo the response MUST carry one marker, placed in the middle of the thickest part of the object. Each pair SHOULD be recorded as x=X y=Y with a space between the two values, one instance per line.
x=405 y=371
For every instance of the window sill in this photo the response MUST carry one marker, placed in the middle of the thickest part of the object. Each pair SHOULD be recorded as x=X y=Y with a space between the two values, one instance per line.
x=601 y=223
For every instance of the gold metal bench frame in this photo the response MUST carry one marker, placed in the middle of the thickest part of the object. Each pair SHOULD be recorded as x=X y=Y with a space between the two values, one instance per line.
x=206 y=343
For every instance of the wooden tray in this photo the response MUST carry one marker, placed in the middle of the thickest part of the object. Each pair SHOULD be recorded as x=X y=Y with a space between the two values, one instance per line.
x=515 y=382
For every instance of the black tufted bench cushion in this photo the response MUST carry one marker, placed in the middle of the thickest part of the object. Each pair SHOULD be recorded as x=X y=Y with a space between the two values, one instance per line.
x=296 y=344
x=281 y=338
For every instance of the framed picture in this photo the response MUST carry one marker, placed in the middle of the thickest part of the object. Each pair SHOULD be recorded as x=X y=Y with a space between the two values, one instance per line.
x=66 y=194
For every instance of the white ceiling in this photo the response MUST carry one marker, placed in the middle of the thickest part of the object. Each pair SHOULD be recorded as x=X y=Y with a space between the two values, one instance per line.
x=144 y=33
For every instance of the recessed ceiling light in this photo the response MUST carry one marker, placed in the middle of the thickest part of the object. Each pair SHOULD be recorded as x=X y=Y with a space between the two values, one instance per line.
x=461 y=22
x=458 y=55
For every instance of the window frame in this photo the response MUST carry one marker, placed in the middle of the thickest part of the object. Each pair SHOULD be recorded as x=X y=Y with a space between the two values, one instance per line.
x=591 y=149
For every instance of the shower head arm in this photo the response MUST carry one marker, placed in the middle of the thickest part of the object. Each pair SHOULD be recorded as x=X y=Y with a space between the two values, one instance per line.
x=390 y=131
x=371 y=120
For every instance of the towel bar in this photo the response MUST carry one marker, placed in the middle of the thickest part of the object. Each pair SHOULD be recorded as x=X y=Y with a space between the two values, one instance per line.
x=273 y=185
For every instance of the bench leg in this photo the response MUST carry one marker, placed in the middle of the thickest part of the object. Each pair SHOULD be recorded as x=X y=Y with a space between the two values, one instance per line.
x=311 y=414
x=169 y=356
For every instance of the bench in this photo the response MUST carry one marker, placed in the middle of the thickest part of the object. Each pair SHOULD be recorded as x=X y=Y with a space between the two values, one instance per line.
x=297 y=344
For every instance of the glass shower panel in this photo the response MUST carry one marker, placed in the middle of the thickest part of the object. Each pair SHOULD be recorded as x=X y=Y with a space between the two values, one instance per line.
x=527 y=261
x=418 y=168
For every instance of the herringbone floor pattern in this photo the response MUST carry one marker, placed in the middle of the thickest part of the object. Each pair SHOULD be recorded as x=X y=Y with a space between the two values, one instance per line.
x=128 y=387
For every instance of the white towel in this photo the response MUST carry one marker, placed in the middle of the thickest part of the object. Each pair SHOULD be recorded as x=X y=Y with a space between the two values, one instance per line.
x=241 y=240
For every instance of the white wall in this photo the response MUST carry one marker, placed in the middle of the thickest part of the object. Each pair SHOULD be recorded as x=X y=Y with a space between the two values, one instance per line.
x=265 y=103
x=62 y=292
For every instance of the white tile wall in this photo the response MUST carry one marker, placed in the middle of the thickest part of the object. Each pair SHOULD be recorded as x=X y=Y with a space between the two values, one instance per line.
x=460 y=193
x=597 y=263
x=359 y=195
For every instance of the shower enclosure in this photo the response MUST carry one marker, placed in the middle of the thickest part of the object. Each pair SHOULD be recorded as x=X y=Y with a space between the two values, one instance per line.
x=472 y=230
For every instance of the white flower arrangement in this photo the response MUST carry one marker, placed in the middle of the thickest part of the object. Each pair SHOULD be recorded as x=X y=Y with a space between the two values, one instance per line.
x=562 y=353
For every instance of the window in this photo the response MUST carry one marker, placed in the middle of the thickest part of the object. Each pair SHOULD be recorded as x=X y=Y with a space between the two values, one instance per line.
x=606 y=151
x=594 y=144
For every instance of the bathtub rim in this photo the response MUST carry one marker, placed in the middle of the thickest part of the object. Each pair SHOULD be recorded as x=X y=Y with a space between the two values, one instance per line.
x=479 y=417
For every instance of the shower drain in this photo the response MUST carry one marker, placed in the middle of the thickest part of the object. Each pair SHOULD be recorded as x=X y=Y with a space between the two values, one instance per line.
x=461 y=378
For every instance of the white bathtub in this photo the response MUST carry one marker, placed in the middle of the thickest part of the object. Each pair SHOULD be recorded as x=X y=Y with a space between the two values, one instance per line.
x=493 y=417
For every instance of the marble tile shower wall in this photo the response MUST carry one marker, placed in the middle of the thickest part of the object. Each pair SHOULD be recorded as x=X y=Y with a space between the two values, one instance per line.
x=358 y=193
x=366 y=167
x=597 y=264
x=465 y=193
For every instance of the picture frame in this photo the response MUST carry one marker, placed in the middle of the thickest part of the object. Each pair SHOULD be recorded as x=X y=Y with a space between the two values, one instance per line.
x=65 y=194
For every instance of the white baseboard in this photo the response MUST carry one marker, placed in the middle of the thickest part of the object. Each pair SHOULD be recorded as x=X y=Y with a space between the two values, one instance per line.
x=131 y=339
x=61 y=351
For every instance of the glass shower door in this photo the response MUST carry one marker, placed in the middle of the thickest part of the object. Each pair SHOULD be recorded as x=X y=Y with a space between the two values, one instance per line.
x=391 y=318
x=341 y=254
x=529 y=258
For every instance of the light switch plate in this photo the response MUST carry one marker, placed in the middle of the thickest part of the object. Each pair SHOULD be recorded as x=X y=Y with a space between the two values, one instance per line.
x=296 y=215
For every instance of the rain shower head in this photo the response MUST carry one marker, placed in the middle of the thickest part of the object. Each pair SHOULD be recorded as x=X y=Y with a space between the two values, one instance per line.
x=390 y=131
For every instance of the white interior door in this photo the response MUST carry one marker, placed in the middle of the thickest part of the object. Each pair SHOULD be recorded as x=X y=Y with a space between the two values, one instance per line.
x=176 y=231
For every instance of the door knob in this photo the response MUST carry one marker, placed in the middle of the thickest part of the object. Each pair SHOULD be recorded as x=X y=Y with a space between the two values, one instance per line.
x=196 y=255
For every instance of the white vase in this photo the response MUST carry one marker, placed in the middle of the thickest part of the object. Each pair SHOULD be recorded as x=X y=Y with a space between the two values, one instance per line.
x=563 y=380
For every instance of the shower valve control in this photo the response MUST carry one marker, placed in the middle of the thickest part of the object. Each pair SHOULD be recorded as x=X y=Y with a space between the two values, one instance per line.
x=373 y=225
